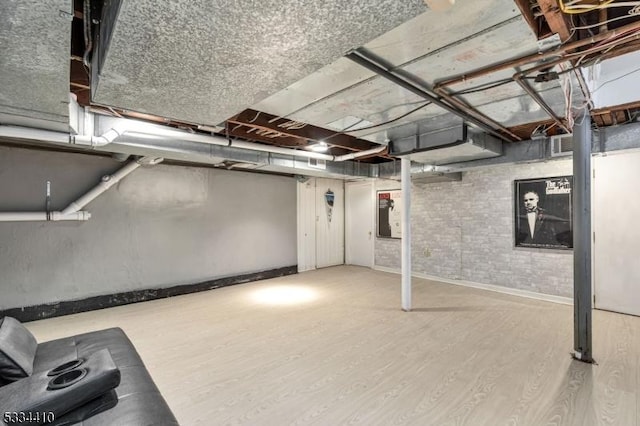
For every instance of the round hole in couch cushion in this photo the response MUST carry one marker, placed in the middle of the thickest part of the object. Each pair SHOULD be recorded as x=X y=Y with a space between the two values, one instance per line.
x=63 y=368
x=67 y=379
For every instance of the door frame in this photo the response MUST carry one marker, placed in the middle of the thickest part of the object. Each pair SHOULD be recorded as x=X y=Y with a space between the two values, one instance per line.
x=598 y=288
x=372 y=216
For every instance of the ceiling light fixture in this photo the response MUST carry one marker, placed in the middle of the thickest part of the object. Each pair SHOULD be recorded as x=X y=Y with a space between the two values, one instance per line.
x=439 y=5
x=320 y=147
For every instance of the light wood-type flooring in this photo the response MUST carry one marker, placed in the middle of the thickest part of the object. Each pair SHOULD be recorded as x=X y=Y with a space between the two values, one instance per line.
x=332 y=347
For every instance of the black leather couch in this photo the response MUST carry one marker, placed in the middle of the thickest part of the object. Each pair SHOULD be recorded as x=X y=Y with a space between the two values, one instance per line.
x=135 y=400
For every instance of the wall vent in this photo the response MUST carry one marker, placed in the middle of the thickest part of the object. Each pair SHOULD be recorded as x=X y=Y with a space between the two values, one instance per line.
x=318 y=163
x=561 y=145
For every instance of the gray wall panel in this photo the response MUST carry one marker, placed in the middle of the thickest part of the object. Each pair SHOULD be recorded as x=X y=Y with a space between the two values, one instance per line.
x=464 y=230
x=159 y=227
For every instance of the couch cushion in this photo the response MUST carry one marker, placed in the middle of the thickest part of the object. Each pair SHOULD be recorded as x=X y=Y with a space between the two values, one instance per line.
x=55 y=352
x=139 y=401
x=17 y=350
x=65 y=392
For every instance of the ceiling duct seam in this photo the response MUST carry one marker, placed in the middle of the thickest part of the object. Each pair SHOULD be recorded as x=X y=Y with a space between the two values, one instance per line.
x=377 y=65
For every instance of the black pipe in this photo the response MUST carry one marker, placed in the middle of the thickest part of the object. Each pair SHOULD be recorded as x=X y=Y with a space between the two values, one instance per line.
x=372 y=63
x=582 y=279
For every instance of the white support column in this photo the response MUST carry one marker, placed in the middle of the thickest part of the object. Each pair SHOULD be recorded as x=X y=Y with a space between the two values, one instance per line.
x=406 y=233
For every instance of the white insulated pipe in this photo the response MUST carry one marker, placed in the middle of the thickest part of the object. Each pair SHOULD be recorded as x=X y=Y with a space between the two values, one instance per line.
x=355 y=155
x=405 y=185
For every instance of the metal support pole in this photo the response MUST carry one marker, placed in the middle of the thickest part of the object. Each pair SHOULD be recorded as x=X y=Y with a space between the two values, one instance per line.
x=582 y=299
x=374 y=63
x=405 y=173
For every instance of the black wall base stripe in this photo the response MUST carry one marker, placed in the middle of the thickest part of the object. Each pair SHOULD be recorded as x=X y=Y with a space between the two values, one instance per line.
x=37 y=312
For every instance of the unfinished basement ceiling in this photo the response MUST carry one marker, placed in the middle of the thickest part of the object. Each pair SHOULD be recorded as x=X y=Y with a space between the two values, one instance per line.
x=34 y=62
x=295 y=74
x=431 y=47
x=202 y=62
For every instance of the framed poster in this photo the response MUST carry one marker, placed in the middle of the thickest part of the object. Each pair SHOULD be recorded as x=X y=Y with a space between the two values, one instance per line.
x=389 y=214
x=543 y=213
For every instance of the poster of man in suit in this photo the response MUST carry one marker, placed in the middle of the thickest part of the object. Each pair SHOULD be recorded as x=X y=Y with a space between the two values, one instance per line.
x=389 y=214
x=543 y=213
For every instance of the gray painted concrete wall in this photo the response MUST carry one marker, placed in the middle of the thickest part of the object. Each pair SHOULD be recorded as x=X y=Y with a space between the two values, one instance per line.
x=161 y=226
x=464 y=230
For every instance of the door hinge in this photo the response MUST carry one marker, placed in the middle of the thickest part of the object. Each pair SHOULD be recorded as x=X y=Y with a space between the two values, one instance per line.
x=594 y=238
x=594 y=173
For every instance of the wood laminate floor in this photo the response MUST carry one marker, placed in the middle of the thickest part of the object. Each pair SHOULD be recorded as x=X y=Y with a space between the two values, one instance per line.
x=332 y=347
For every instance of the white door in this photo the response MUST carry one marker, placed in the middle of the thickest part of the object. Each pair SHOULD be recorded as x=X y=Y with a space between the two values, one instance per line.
x=307 y=225
x=616 y=213
x=329 y=222
x=359 y=223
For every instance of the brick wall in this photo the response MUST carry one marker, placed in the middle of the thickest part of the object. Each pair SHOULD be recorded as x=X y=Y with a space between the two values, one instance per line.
x=464 y=230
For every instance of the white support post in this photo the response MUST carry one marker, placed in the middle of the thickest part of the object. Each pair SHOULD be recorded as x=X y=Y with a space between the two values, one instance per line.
x=406 y=233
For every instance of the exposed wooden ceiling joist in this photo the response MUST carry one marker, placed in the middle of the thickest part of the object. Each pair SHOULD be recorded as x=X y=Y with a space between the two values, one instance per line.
x=307 y=132
x=558 y=22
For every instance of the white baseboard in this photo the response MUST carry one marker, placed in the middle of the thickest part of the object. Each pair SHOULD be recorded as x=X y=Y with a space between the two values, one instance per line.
x=491 y=287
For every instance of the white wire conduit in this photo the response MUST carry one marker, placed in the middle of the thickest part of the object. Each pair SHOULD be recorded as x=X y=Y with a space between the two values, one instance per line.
x=73 y=211
x=136 y=127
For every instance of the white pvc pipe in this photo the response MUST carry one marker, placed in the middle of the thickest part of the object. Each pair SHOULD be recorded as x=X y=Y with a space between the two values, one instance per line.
x=405 y=185
x=106 y=183
x=355 y=155
x=73 y=212
x=42 y=216
x=284 y=151
x=102 y=140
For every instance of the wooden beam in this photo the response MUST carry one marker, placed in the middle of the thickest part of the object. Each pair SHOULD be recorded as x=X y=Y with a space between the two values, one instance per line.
x=245 y=133
x=309 y=132
x=606 y=110
x=558 y=22
x=79 y=85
